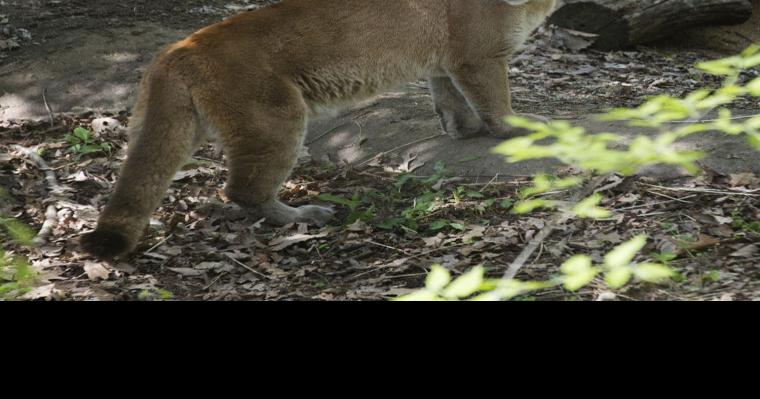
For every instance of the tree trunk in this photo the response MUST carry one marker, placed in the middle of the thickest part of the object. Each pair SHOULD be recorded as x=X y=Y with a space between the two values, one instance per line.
x=624 y=23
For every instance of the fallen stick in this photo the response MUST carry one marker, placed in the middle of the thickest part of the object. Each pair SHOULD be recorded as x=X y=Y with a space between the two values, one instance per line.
x=51 y=213
x=47 y=106
x=51 y=220
x=399 y=148
x=52 y=181
x=250 y=269
x=558 y=219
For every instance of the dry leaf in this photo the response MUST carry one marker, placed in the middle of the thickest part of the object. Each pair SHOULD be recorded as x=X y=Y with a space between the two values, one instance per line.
x=96 y=271
x=744 y=180
x=746 y=252
x=703 y=242
x=434 y=242
x=45 y=292
x=475 y=232
x=187 y=271
x=281 y=243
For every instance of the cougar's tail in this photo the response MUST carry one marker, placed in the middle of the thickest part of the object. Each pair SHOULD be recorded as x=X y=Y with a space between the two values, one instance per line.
x=161 y=138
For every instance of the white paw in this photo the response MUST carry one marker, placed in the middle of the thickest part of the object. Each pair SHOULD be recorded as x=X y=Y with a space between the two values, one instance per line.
x=316 y=215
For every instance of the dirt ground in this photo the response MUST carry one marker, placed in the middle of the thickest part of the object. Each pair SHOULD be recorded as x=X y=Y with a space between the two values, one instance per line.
x=88 y=56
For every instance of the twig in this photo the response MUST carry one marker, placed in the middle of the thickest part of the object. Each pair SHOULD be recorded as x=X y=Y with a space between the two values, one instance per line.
x=211 y=284
x=250 y=269
x=51 y=213
x=702 y=120
x=552 y=225
x=389 y=247
x=652 y=204
x=321 y=136
x=519 y=262
x=51 y=220
x=419 y=255
x=747 y=193
x=441 y=249
x=401 y=147
x=669 y=197
x=540 y=252
x=47 y=106
x=489 y=183
x=160 y=243
x=52 y=181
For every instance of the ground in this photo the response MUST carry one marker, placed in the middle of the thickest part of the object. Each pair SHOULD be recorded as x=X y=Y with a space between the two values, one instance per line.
x=88 y=57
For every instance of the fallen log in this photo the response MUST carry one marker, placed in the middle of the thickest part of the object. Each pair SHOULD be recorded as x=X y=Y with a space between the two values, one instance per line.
x=625 y=23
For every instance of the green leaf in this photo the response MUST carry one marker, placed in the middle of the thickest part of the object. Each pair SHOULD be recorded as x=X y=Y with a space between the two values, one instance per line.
x=751 y=51
x=458 y=226
x=82 y=134
x=588 y=208
x=618 y=277
x=751 y=62
x=465 y=285
x=528 y=206
x=754 y=140
x=724 y=67
x=438 y=224
x=578 y=272
x=165 y=294
x=390 y=224
x=575 y=282
x=754 y=87
x=90 y=148
x=337 y=200
x=623 y=254
x=500 y=290
x=402 y=180
x=438 y=278
x=474 y=194
x=20 y=232
x=576 y=264
x=419 y=296
x=24 y=272
x=71 y=139
x=488 y=203
x=525 y=123
x=653 y=272
x=506 y=204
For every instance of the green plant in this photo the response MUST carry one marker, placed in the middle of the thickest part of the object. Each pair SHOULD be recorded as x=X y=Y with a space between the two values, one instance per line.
x=155 y=294
x=419 y=199
x=594 y=154
x=82 y=143
x=709 y=277
x=664 y=257
x=742 y=224
x=355 y=206
x=577 y=272
x=16 y=274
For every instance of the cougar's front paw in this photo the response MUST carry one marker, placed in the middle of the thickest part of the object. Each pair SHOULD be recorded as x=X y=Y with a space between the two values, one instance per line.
x=316 y=215
x=461 y=127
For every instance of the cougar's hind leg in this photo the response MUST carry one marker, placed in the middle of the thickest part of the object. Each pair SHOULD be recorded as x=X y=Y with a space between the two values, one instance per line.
x=457 y=117
x=262 y=139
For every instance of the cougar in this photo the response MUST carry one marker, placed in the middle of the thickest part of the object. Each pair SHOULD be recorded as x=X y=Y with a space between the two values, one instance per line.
x=254 y=80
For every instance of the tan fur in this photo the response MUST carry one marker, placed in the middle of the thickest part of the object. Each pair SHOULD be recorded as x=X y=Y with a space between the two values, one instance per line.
x=255 y=79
